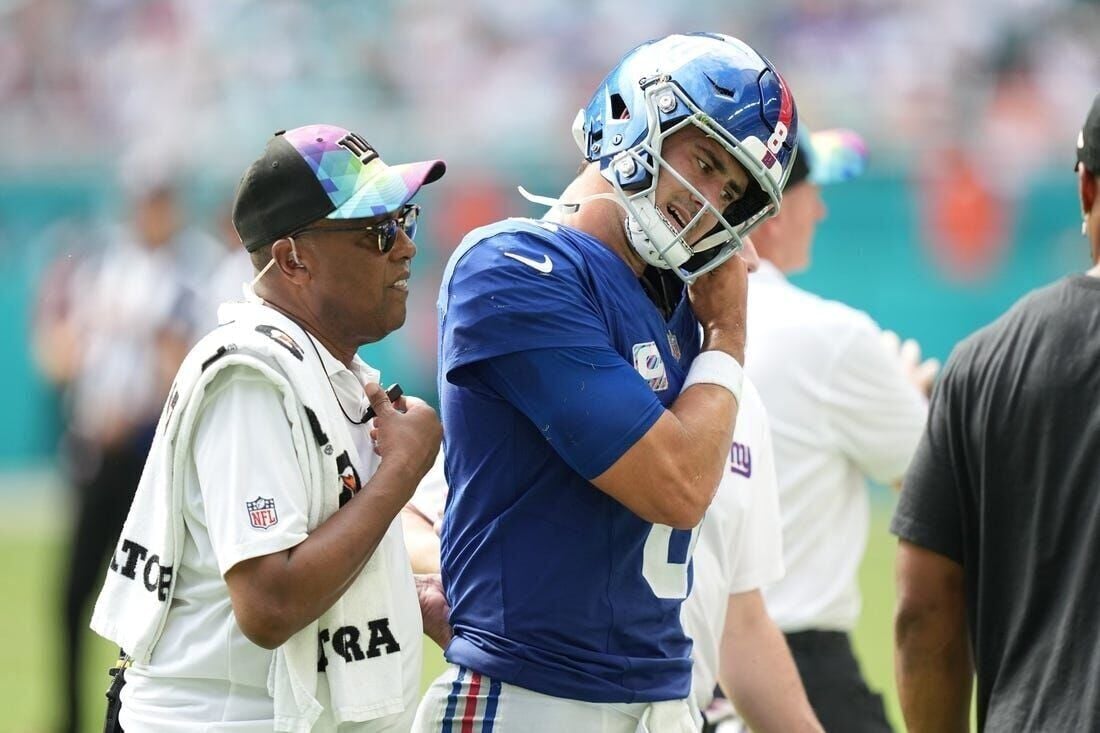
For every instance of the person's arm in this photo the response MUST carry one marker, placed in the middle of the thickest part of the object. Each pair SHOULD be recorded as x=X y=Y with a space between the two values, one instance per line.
x=420 y=519
x=876 y=410
x=434 y=608
x=277 y=594
x=421 y=540
x=504 y=316
x=757 y=673
x=57 y=339
x=670 y=475
x=932 y=659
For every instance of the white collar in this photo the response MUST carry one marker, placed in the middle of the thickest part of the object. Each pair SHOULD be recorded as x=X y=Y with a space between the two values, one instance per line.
x=768 y=272
x=359 y=369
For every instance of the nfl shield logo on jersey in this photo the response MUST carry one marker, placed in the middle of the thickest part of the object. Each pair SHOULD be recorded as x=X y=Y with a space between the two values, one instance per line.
x=647 y=360
x=261 y=513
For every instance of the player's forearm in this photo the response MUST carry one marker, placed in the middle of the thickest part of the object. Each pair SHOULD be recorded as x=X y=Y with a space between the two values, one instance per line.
x=671 y=474
x=757 y=673
x=934 y=675
x=707 y=414
x=727 y=338
x=277 y=595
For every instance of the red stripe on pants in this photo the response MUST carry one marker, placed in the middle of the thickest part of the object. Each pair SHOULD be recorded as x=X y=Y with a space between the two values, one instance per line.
x=471 y=704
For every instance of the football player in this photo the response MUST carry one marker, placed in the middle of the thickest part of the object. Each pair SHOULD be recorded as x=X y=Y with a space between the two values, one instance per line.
x=588 y=416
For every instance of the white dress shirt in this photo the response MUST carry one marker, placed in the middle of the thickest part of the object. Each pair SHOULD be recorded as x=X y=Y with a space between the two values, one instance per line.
x=841 y=410
x=739 y=547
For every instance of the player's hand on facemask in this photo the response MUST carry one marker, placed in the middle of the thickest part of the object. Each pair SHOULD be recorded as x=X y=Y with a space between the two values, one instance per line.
x=409 y=437
x=719 y=300
x=921 y=374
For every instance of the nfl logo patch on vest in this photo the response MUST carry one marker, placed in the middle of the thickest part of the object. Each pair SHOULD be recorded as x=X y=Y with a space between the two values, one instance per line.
x=261 y=513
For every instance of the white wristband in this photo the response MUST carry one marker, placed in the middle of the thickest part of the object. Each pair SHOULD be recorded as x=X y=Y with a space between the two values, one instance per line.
x=716 y=367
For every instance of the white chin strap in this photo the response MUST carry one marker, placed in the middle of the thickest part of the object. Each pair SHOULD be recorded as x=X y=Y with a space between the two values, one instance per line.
x=564 y=206
x=634 y=231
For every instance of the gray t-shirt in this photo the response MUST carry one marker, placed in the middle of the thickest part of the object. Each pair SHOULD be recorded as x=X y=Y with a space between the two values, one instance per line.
x=1006 y=482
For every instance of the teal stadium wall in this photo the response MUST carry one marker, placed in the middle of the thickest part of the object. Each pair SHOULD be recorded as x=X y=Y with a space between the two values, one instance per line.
x=871 y=253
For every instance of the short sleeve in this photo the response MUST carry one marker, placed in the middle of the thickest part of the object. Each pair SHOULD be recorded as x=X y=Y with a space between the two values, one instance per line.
x=515 y=291
x=758 y=548
x=875 y=413
x=253 y=493
x=929 y=508
x=589 y=404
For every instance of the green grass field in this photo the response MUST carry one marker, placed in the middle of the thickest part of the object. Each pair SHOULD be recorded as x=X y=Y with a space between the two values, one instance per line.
x=30 y=548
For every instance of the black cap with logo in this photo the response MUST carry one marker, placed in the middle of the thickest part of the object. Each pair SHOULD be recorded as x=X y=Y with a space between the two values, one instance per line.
x=320 y=171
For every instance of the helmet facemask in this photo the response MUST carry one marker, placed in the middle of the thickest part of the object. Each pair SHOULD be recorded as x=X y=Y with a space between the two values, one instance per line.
x=659 y=241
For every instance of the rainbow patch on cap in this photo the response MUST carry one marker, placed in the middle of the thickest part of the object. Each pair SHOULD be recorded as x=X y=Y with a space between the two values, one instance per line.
x=357 y=181
x=835 y=156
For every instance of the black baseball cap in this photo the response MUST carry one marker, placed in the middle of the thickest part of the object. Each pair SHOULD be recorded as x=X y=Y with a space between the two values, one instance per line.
x=321 y=171
x=1088 y=141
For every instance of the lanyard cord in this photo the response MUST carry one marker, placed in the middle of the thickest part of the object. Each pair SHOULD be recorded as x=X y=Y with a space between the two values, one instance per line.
x=331 y=386
x=317 y=351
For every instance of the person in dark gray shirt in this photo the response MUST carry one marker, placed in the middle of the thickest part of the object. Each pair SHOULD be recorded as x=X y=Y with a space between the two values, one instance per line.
x=998 y=565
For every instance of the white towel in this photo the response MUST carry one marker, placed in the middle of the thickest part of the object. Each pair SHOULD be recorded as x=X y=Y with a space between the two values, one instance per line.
x=133 y=605
x=670 y=716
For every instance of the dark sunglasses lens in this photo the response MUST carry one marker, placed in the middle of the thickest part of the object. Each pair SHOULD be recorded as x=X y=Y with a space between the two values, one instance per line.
x=387 y=230
x=387 y=235
x=408 y=221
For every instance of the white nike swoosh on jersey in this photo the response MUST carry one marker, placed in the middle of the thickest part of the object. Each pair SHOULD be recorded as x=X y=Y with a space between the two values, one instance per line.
x=544 y=267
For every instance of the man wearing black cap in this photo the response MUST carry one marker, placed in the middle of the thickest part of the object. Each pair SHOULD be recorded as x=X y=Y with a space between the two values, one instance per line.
x=260 y=581
x=999 y=523
x=844 y=408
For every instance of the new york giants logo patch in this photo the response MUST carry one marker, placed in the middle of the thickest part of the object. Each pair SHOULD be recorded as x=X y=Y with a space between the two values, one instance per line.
x=261 y=513
x=648 y=363
x=741 y=460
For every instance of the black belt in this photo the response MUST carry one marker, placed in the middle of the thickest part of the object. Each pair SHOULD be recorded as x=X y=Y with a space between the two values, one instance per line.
x=817 y=640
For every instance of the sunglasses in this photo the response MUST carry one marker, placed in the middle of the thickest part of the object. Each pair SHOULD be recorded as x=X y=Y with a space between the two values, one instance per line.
x=386 y=231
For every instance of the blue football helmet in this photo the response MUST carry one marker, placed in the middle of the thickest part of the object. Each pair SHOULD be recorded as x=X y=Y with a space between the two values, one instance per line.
x=720 y=85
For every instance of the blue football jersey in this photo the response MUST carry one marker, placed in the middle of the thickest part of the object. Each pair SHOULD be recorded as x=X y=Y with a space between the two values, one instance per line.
x=554 y=362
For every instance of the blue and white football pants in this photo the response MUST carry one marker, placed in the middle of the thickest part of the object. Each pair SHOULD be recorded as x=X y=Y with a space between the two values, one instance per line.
x=464 y=701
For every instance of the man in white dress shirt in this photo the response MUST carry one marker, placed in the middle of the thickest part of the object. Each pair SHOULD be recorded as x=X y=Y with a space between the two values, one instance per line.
x=740 y=550
x=845 y=405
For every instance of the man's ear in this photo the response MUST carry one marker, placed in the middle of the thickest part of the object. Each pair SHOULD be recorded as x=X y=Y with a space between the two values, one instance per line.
x=1088 y=188
x=287 y=259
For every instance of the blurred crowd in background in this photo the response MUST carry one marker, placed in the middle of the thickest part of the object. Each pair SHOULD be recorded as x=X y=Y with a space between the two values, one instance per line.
x=484 y=80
